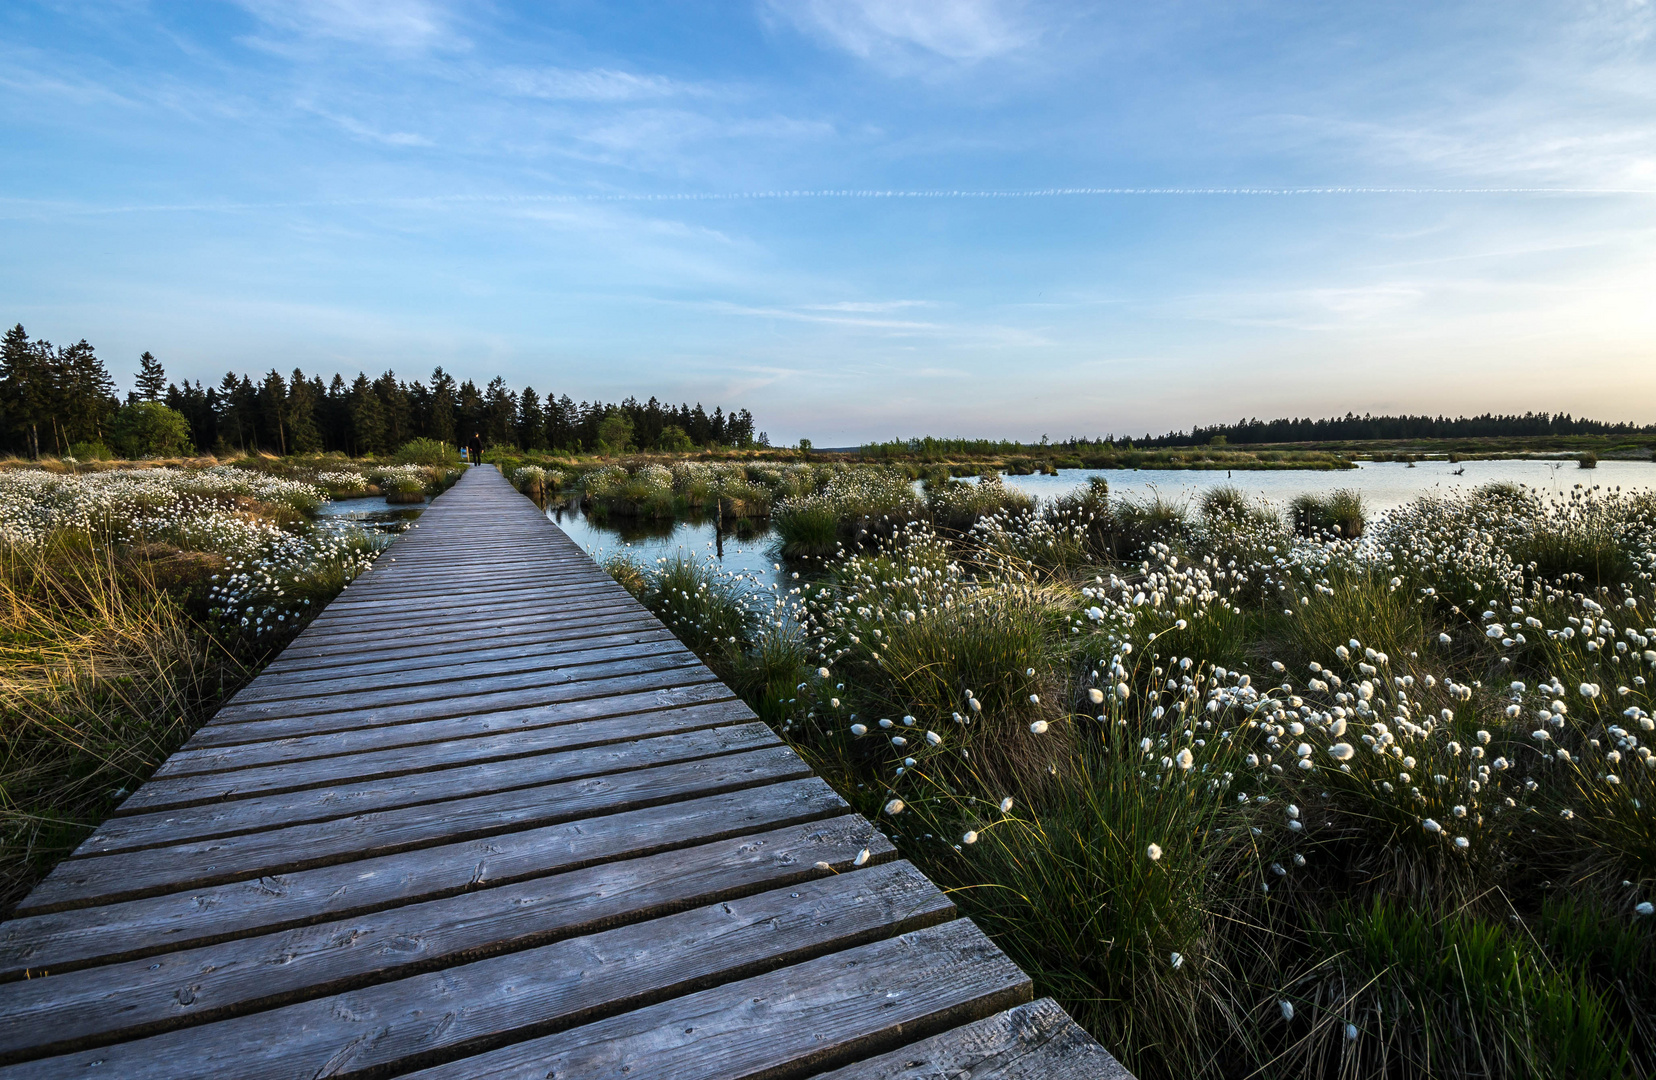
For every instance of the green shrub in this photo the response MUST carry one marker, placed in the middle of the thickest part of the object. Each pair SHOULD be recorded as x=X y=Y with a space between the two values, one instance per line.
x=427 y=452
x=150 y=429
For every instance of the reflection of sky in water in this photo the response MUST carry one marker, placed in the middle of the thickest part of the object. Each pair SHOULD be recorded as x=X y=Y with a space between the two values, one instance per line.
x=1385 y=485
x=747 y=548
x=371 y=514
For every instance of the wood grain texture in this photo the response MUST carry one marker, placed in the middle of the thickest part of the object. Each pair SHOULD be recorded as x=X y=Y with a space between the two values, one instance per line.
x=1037 y=1041
x=821 y=1012
x=196 y=986
x=486 y=764
x=110 y=933
x=134 y=874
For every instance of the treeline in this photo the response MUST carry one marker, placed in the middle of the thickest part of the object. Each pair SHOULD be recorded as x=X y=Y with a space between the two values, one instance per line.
x=1354 y=428
x=55 y=399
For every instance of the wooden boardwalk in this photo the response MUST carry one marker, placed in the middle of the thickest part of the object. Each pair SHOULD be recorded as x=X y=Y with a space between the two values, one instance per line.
x=487 y=817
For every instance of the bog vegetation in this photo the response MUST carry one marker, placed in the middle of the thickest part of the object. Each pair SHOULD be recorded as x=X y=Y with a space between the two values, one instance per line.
x=132 y=602
x=1253 y=791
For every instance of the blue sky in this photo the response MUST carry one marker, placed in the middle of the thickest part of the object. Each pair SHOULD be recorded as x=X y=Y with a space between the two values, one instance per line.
x=858 y=219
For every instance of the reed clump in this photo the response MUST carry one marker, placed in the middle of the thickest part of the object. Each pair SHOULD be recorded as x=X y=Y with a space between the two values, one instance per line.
x=102 y=675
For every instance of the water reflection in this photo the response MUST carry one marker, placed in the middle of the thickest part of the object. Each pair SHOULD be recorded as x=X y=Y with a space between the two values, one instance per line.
x=372 y=514
x=1385 y=485
x=742 y=546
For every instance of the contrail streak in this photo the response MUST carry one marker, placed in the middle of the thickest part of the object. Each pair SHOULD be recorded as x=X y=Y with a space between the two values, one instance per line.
x=784 y=194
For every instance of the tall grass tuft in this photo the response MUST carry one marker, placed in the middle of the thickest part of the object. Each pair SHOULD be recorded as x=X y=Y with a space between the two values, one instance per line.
x=102 y=675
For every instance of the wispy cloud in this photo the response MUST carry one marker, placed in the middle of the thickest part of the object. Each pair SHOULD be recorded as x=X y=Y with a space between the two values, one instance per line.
x=594 y=85
x=403 y=25
x=899 y=31
x=372 y=134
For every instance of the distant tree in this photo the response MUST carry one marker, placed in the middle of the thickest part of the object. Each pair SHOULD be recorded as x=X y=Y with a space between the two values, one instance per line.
x=499 y=414
x=367 y=418
x=301 y=414
x=398 y=409
x=673 y=440
x=83 y=397
x=150 y=429
x=468 y=410
x=615 y=432
x=440 y=424
x=531 y=421
x=24 y=391
x=273 y=409
x=151 y=380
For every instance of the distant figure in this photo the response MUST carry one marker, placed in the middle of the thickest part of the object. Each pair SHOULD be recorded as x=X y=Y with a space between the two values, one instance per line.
x=476 y=449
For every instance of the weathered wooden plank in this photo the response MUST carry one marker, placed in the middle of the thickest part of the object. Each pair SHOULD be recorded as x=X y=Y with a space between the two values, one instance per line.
x=413 y=636
x=390 y=598
x=111 y=933
x=414 y=615
x=221 y=754
x=388 y=647
x=785 y=1023
x=1037 y=1041
x=323 y=780
x=539 y=661
x=456 y=693
x=107 y=1004
x=441 y=617
x=449 y=663
x=133 y=874
x=669 y=686
x=355 y=783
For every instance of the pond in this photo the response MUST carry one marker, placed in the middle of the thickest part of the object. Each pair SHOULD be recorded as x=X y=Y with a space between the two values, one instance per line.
x=1384 y=485
x=742 y=550
x=371 y=513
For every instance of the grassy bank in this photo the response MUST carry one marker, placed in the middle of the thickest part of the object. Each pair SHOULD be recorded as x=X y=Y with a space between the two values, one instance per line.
x=131 y=604
x=1249 y=796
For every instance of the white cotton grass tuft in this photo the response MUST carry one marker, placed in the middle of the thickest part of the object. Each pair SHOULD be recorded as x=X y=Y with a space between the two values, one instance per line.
x=1039 y=727
x=862 y=857
x=1096 y=696
x=1431 y=826
x=969 y=836
x=934 y=738
x=1342 y=751
x=1177 y=960
x=1154 y=851
x=894 y=807
x=1006 y=805
x=1644 y=909
x=859 y=729
x=1184 y=759
x=1287 y=1008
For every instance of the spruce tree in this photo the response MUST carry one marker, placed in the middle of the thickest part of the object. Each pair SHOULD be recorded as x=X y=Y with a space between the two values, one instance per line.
x=151 y=380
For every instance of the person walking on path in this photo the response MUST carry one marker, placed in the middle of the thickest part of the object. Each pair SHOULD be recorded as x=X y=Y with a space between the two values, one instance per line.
x=475 y=448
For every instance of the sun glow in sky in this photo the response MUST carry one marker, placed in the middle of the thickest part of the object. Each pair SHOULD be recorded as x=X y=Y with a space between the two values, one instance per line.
x=859 y=219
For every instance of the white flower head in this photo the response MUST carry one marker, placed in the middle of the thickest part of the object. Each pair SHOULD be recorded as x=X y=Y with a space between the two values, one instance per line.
x=1154 y=851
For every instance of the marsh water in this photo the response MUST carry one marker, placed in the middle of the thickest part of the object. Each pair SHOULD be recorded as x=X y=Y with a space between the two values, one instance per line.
x=747 y=549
